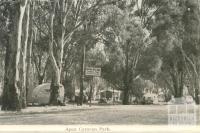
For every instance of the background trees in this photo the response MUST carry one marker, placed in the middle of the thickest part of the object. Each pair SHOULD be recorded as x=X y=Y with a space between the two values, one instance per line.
x=172 y=25
x=190 y=46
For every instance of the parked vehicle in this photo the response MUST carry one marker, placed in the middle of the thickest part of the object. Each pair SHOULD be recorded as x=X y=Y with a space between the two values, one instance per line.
x=150 y=98
x=103 y=100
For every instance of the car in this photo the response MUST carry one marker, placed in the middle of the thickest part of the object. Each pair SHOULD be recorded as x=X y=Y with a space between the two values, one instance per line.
x=148 y=100
x=103 y=100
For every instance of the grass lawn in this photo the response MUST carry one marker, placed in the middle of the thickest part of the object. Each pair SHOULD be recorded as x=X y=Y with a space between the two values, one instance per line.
x=72 y=114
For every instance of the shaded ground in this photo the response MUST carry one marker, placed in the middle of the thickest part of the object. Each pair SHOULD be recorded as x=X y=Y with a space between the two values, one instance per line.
x=118 y=114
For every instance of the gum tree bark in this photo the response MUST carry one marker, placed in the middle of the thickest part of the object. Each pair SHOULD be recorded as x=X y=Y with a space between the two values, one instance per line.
x=11 y=91
x=178 y=84
x=126 y=78
x=58 y=58
x=55 y=84
x=24 y=58
x=29 y=52
x=61 y=34
x=62 y=7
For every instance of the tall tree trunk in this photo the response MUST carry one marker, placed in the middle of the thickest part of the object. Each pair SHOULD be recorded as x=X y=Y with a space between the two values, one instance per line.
x=178 y=84
x=197 y=86
x=24 y=58
x=126 y=78
x=126 y=93
x=55 y=98
x=29 y=52
x=67 y=82
x=11 y=92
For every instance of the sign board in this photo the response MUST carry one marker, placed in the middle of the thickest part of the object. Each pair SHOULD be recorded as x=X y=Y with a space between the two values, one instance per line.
x=92 y=71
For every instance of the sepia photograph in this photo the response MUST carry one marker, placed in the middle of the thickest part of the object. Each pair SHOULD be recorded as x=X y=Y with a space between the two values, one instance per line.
x=99 y=66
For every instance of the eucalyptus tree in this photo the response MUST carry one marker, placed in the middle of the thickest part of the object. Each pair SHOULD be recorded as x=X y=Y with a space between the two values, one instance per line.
x=168 y=29
x=191 y=45
x=66 y=17
x=124 y=42
x=175 y=26
x=40 y=37
x=11 y=99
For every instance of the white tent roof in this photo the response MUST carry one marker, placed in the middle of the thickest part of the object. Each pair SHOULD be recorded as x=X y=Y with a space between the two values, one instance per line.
x=45 y=86
x=41 y=93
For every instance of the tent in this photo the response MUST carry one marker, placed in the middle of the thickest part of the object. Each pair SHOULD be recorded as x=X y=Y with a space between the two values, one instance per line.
x=41 y=94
